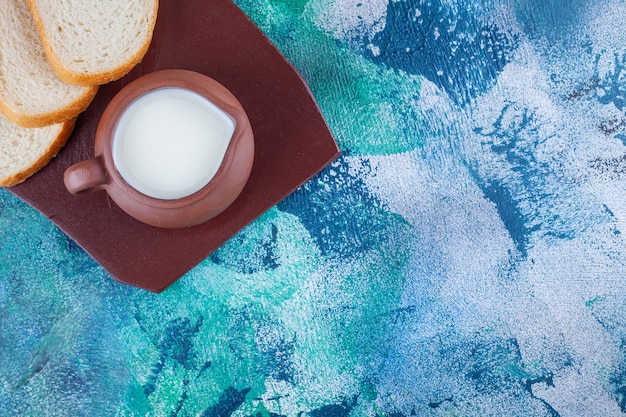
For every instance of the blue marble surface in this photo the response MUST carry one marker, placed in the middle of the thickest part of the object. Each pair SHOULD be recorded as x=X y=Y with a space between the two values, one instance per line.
x=464 y=257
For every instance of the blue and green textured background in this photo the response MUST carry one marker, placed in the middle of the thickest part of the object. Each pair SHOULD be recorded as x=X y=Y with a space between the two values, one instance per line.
x=464 y=257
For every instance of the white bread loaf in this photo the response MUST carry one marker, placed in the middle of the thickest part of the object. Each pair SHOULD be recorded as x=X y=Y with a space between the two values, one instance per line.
x=24 y=151
x=31 y=94
x=94 y=42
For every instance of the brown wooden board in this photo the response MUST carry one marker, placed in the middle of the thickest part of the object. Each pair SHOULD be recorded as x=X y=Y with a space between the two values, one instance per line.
x=292 y=144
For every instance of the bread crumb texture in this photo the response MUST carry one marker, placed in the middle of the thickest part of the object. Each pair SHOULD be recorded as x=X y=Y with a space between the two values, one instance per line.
x=94 y=42
x=31 y=93
x=24 y=151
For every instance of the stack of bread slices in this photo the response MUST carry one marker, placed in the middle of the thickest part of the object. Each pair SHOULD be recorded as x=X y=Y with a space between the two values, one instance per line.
x=54 y=54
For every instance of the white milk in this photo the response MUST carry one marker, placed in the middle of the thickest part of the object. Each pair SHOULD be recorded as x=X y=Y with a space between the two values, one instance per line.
x=170 y=142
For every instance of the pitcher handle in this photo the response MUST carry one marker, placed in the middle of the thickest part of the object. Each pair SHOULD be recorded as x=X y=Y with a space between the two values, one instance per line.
x=86 y=176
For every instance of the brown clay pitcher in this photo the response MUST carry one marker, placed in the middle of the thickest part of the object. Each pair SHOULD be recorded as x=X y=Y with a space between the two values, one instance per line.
x=173 y=149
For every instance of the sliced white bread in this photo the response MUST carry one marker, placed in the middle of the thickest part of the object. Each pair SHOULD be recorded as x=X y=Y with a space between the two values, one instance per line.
x=25 y=151
x=31 y=93
x=94 y=42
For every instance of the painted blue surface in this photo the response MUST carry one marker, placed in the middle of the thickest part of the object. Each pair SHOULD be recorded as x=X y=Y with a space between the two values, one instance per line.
x=464 y=257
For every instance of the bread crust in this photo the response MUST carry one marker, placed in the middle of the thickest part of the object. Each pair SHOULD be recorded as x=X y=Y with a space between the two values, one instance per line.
x=90 y=79
x=53 y=149
x=60 y=115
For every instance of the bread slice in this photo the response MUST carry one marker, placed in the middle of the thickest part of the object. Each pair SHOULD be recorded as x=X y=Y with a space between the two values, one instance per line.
x=94 y=42
x=25 y=151
x=31 y=94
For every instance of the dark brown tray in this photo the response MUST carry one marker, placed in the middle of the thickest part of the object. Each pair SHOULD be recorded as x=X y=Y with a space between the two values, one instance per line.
x=292 y=142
